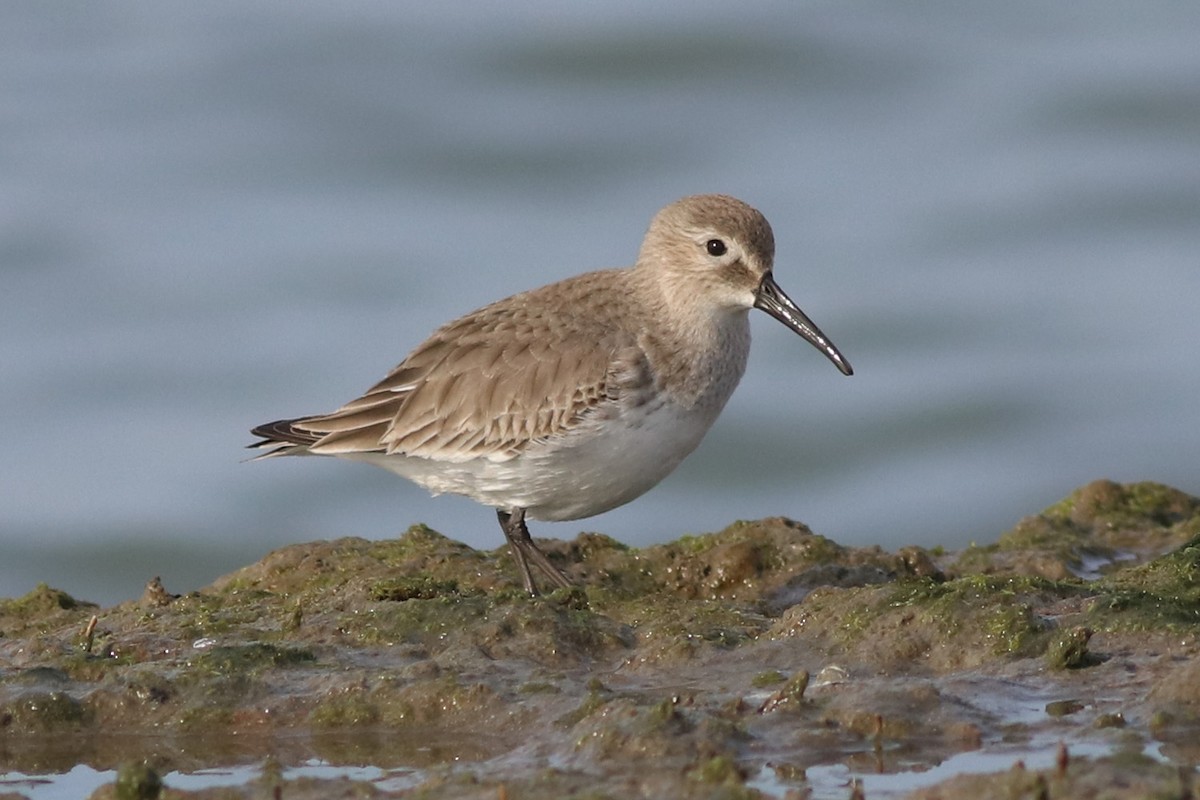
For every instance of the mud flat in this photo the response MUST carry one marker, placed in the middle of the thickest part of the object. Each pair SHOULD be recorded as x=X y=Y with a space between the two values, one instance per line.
x=759 y=661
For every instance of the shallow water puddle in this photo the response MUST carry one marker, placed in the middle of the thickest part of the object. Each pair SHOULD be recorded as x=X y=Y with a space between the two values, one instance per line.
x=831 y=780
x=82 y=780
x=834 y=780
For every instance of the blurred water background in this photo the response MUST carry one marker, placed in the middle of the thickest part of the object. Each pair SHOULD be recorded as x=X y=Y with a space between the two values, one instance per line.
x=216 y=214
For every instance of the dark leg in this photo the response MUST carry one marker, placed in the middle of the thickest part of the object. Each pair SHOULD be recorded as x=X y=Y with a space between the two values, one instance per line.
x=511 y=524
x=524 y=550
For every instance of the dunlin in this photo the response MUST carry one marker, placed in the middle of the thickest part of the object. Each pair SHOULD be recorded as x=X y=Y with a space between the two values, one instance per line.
x=575 y=398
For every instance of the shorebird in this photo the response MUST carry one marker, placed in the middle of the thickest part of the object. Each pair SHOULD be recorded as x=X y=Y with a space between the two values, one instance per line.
x=572 y=399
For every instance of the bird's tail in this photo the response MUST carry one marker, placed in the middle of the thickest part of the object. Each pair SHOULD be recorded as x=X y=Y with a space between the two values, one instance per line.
x=283 y=437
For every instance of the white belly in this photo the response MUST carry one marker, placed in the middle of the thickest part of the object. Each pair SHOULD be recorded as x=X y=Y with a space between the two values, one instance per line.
x=595 y=469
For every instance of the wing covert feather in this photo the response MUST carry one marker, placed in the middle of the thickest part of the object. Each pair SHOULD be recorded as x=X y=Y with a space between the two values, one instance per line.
x=490 y=383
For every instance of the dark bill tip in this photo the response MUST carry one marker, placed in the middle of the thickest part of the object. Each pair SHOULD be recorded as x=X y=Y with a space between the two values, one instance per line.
x=773 y=300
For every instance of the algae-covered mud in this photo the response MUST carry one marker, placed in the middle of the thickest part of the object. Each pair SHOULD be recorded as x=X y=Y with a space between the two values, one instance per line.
x=760 y=661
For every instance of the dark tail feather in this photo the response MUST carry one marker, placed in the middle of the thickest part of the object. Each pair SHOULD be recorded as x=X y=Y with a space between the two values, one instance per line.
x=284 y=432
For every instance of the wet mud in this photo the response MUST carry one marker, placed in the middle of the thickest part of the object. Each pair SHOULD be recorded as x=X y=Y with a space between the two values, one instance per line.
x=760 y=661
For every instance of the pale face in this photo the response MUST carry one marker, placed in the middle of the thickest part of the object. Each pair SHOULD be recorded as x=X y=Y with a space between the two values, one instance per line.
x=728 y=269
x=717 y=245
x=726 y=250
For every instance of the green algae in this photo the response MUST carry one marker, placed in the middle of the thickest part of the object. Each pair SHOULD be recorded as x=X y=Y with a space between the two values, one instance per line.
x=1100 y=521
x=985 y=616
x=96 y=666
x=43 y=711
x=1133 y=594
x=1125 y=774
x=39 y=676
x=1063 y=708
x=320 y=569
x=1163 y=593
x=735 y=561
x=39 y=601
x=769 y=678
x=396 y=704
x=788 y=696
x=352 y=707
x=413 y=587
x=688 y=624
x=248 y=659
x=996 y=613
x=793 y=691
x=539 y=687
x=1069 y=650
x=40 y=610
x=597 y=697
x=214 y=614
x=1134 y=506
x=719 y=770
x=359 y=644
x=137 y=781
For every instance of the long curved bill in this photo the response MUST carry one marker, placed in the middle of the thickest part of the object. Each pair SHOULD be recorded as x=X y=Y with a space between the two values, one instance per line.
x=773 y=300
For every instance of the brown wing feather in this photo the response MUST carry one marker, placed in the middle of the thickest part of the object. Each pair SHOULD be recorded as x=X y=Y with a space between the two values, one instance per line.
x=489 y=383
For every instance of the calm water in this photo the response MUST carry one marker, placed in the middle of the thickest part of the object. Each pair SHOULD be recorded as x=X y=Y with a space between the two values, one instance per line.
x=217 y=214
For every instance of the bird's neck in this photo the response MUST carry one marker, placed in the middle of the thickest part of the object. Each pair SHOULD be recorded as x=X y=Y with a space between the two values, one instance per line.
x=702 y=348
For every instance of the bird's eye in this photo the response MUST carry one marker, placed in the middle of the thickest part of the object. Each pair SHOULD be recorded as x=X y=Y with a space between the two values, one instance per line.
x=715 y=247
